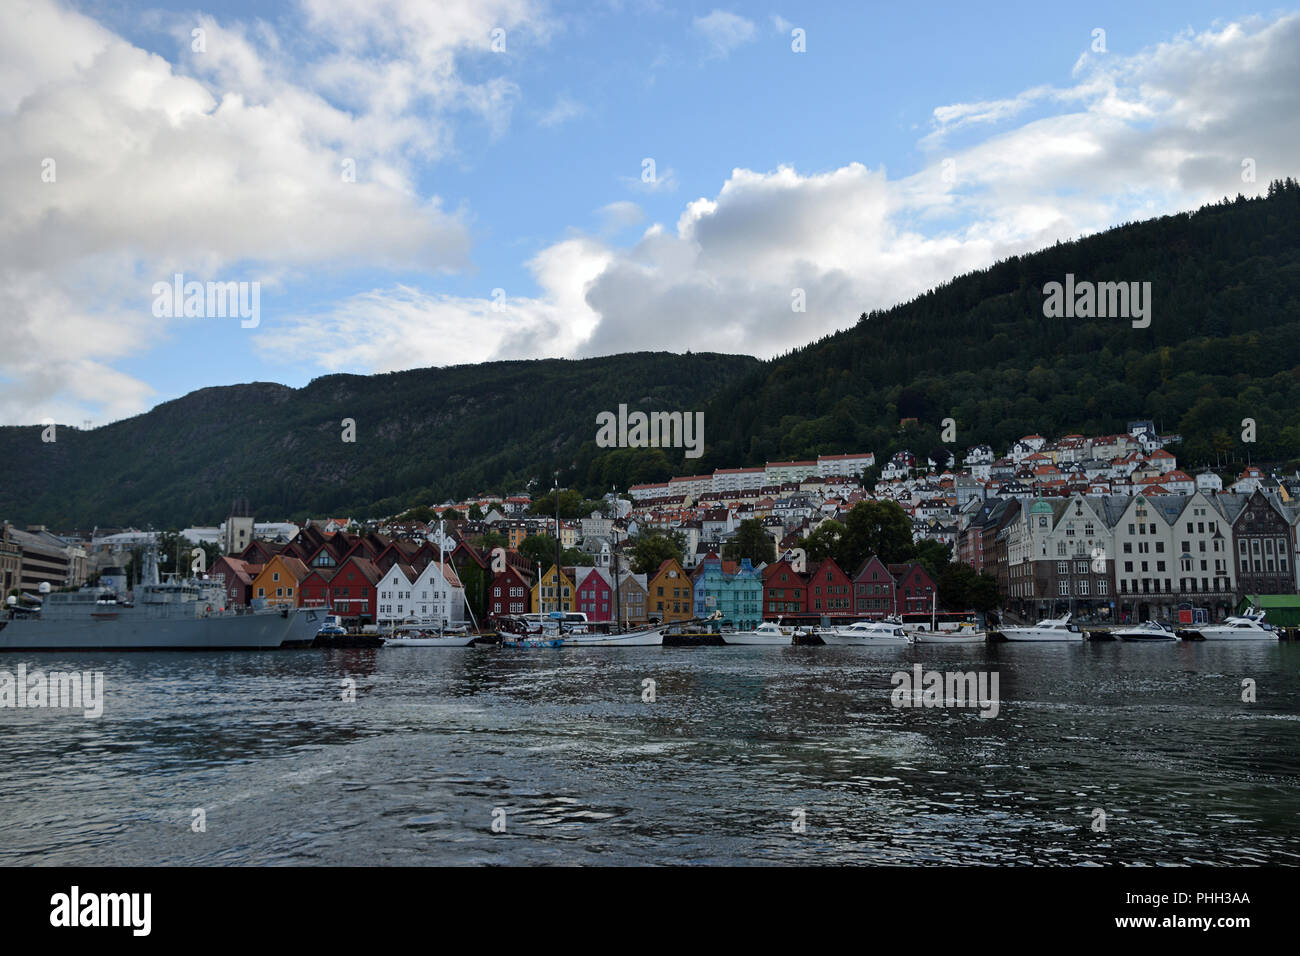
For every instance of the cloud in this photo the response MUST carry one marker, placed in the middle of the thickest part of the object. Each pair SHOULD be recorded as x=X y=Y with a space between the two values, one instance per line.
x=122 y=168
x=724 y=31
x=565 y=109
x=617 y=216
x=652 y=178
x=1134 y=137
x=404 y=327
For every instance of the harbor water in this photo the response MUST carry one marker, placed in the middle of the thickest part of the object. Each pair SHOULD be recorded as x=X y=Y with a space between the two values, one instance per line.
x=1099 y=753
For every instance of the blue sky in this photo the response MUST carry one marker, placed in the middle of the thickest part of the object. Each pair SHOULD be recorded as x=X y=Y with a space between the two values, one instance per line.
x=521 y=171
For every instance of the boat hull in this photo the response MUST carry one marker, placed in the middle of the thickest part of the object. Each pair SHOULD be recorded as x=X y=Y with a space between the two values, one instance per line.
x=757 y=640
x=940 y=637
x=131 y=629
x=460 y=640
x=1035 y=636
x=650 y=638
x=1210 y=634
x=855 y=640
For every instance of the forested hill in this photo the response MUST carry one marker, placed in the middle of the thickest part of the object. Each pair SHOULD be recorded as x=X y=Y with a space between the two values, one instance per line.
x=420 y=436
x=1223 y=345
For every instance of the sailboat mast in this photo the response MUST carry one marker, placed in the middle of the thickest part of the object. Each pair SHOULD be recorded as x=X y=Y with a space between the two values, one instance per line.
x=442 y=573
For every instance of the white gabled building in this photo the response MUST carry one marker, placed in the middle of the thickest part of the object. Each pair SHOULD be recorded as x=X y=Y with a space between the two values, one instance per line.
x=1208 y=482
x=394 y=590
x=434 y=595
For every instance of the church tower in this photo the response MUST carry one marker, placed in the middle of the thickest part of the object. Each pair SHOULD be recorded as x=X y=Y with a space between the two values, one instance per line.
x=239 y=527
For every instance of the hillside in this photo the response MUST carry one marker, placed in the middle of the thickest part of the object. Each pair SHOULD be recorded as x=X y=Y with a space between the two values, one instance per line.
x=1223 y=344
x=421 y=435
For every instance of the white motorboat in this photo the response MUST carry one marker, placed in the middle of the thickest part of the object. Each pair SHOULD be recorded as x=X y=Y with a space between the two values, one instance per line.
x=865 y=632
x=1242 y=627
x=965 y=634
x=1146 y=631
x=1048 y=629
x=768 y=632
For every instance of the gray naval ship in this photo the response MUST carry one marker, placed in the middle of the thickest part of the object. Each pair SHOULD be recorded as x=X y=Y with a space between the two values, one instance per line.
x=189 y=614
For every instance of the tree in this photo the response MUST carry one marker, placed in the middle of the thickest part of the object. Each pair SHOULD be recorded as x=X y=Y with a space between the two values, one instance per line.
x=652 y=548
x=571 y=504
x=823 y=540
x=750 y=541
x=538 y=549
x=879 y=528
x=451 y=514
x=486 y=542
x=577 y=558
x=934 y=556
x=476 y=580
x=475 y=513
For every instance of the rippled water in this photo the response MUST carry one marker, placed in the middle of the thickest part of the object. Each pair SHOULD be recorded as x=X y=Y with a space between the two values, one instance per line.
x=711 y=771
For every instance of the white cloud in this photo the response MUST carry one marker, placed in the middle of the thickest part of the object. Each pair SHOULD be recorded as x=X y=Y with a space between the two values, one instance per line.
x=220 y=167
x=1159 y=131
x=564 y=109
x=724 y=31
x=616 y=216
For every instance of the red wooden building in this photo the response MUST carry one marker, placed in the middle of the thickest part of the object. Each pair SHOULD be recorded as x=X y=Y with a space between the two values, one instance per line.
x=874 y=590
x=510 y=593
x=829 y=591
x=784 y=591
x=595 y=595
x=913 y=588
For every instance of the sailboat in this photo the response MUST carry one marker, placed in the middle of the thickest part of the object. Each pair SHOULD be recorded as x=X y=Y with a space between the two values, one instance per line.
x=434 y=634
x=966 y=632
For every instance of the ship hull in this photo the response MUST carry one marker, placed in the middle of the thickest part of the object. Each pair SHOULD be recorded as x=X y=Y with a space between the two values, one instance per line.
x=127 y=631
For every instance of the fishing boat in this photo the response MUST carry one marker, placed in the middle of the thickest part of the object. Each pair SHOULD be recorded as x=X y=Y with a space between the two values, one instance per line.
x=963 y=633
x=886 y=631
x=1240 y=627
x=641 y=637
x=966 y=633
x=1146 y=631
x=417 y=634
x=769 y=632
x=1048 y=629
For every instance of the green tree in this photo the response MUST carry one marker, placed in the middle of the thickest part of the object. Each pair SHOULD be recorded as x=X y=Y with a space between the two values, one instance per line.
x=538 y=549
x=475 y=513
x=823 y=541
x=486 y=542
x=750 y=541
x=934 y=556
x=879 y=528
x=652 y=548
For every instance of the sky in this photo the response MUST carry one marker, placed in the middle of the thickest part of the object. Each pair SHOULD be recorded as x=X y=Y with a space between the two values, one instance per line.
x=411 y=183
